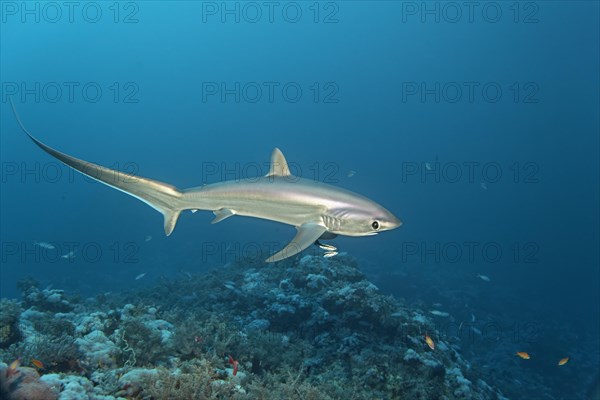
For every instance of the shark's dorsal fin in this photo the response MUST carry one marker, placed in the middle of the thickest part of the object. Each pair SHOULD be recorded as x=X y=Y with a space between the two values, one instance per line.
x=279 y=166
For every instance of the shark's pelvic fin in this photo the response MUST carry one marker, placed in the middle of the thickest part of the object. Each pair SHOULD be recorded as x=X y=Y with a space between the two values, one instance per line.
x=221 y=214
x=307 y=234
x=279 y=166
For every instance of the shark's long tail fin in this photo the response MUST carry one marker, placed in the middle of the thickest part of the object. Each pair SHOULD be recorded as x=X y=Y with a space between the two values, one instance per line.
x=160 y=196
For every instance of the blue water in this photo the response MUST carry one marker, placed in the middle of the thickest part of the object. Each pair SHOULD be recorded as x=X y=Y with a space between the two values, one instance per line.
x=477 y=127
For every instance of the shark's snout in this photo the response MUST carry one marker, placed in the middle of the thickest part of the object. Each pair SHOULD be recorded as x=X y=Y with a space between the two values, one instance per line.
x=395 y=222
x=391 y=222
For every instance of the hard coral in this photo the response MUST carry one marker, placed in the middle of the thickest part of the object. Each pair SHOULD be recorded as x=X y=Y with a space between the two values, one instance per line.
x=9 y=322
x=24 y=384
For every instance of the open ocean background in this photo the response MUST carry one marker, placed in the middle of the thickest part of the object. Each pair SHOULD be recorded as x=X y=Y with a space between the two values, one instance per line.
x=374 y=97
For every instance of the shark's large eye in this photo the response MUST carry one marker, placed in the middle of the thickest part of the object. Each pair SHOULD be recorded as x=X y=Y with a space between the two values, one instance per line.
x=375 y=225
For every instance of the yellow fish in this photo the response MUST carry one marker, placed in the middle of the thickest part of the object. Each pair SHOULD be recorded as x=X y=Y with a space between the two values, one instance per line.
x=523 y=355
x=37 y=363
x=563 y=361
x=429 y=342
x=13 y=368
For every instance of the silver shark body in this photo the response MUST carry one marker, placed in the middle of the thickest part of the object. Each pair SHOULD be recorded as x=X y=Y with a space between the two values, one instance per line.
x=315 y=209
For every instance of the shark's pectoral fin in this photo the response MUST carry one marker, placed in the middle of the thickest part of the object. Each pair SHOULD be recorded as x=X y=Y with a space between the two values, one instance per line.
x=328 y=236
x=307 y=234
x=221 y=214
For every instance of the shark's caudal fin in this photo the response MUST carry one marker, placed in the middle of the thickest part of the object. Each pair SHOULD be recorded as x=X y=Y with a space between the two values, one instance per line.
x=160 y=196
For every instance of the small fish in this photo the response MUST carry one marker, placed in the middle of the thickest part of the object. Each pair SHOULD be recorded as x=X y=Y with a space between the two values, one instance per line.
x=37 y=363
x=198 y=339
x=69 y=255
x=484 y=278
x=351 y=173
x=437 y=304
x=148 y=238
x=140 y=276
x=327 y=247
x=429 y=342
x=44 y=245
x=438 y=313
x=13 y=368
x=193 y=211
x=523 y=355
x=472 y=317
x=563 y=361
x=428 y=166
x=483 y=185
x=330 y=254
x=235 y=364
x=229 y=286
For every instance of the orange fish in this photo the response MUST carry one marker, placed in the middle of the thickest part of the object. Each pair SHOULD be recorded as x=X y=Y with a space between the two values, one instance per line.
x=235 y=364
x=37 y=363
x=563 y=361
x=523 y=355
x=429 y=342
x=13 y=368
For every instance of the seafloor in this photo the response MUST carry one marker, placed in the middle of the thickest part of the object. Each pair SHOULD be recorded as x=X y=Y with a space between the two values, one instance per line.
x=310 y=328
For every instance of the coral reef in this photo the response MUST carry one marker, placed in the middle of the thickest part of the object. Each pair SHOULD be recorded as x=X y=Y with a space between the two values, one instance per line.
x=309 y=328
x=24 y=384
x=9 y=322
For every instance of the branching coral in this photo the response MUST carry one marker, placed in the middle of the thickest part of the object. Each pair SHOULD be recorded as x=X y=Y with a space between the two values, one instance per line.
x=9 y=322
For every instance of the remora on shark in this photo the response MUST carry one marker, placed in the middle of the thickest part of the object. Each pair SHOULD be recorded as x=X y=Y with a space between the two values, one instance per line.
x=316 y=209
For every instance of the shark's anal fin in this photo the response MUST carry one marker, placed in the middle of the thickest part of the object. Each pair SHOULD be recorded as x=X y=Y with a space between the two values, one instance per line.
x=170 y=220
x=307 y=234
x=221 y=214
